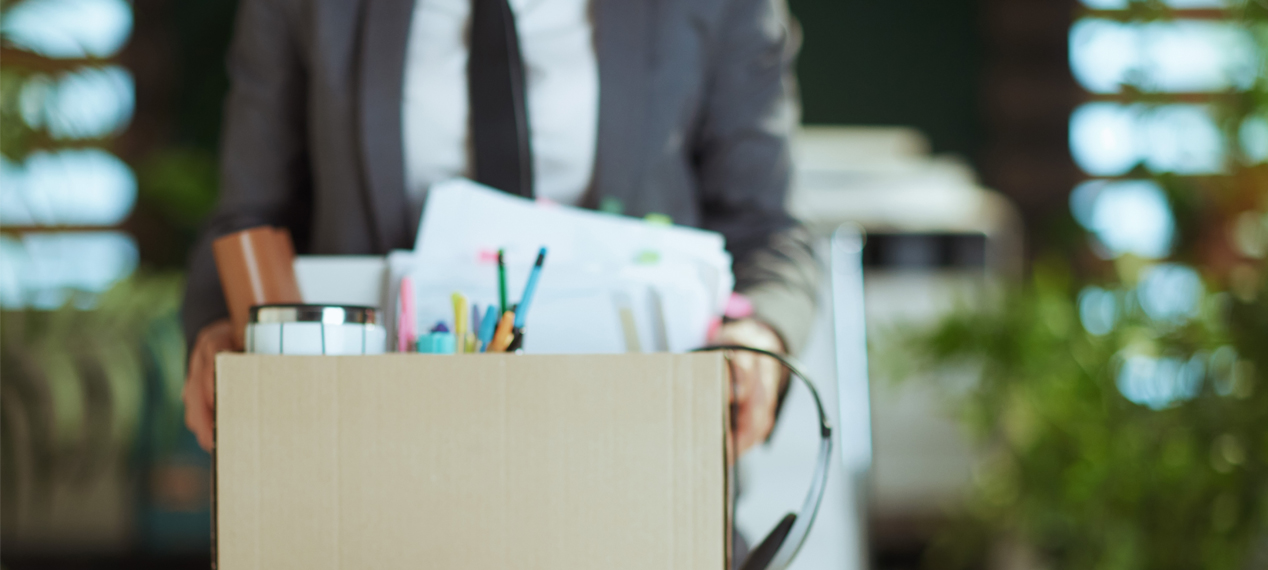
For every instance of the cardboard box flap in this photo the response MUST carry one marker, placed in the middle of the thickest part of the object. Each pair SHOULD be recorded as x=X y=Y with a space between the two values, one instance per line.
x=481 y=461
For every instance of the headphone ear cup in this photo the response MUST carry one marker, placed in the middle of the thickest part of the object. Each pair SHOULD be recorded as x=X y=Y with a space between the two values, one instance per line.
x=761 y=556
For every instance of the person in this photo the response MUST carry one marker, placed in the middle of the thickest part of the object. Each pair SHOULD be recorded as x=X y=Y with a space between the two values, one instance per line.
x=341 y=114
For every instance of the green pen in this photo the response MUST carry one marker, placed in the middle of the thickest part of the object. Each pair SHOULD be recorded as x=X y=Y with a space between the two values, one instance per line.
x=501 y=281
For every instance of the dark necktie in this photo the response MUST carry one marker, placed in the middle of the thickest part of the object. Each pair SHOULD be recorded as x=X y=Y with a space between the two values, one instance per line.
x=495 y=90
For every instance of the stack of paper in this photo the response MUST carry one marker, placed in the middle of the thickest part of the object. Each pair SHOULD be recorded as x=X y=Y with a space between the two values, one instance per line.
x=610 y=284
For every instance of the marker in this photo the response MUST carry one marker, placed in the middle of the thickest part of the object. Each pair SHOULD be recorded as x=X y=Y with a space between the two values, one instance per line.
x=529 y=288
x=488 y=326
x=502 y=338
x=461 y=312
x=473 y=331
x=406 y=335
x=439 y=341
x=502 y=306
x=517 y=340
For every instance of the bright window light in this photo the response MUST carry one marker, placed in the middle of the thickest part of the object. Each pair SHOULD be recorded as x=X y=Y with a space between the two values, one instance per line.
x=1098 y=310
x=1172 y=56
x=69 y=28
x=1253 y=138
x=85 y=187
x=1170 y=292
x=1160 y=382
x=1106 y=4
x=1102 y=53
x=1103 y=138
x=88 y=103
x=47 y=270
x=1182 y=139
x=1190 y=55
x=1109 y=139
x=1126 y=216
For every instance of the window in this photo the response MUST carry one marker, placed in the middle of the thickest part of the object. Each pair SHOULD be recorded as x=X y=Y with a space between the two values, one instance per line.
x=63 y=194
x=1151 y=71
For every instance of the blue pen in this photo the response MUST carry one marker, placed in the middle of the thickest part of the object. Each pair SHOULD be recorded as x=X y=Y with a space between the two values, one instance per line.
x=487 y=326
x=529 y=288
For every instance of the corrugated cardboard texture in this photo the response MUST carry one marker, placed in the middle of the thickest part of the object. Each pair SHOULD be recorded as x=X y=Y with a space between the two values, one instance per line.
x=471 y=462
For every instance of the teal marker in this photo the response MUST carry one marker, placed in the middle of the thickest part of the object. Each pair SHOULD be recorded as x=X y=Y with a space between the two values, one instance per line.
x=487 y=326
x=438 y=341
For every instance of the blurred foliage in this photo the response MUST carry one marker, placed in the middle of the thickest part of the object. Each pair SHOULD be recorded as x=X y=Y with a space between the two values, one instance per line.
x=1085 y=476
x=1075 y=471
x=87 y=393
x=180 y=184
x=75 y=383
x=13 y=130
x=176 y=190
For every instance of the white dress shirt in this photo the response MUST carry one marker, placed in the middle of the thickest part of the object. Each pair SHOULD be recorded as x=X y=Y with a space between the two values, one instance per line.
x=562 y=89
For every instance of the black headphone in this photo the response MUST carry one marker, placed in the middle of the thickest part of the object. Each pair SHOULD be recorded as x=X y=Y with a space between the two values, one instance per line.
x=778 y=549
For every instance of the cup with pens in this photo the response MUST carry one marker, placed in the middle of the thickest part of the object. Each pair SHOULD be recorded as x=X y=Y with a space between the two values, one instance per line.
x=499 y=328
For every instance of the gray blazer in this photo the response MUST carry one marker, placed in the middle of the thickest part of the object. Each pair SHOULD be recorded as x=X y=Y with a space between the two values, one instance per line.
x=696 y=104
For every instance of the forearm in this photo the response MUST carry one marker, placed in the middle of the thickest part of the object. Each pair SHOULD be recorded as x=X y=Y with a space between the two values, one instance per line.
x=781 y=280
x=263 y=153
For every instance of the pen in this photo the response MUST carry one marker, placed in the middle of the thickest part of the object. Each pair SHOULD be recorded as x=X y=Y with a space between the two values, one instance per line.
x=461 y=313
x=487 y=327
x=517 y=340
x=529 y=288
x=503 y=337
x=502 y=281
x=473 y=329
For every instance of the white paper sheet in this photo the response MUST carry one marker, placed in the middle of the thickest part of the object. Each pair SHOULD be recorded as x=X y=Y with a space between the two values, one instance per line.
x=674 y=279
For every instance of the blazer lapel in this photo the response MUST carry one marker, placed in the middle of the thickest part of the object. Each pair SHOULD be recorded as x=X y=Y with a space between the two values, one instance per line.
x=384 y=34
x=623 y=43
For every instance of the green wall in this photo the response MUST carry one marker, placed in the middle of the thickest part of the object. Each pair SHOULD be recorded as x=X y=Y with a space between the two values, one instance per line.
x=893 y=62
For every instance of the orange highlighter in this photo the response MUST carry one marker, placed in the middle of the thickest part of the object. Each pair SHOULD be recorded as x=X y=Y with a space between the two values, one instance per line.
x=502 y=338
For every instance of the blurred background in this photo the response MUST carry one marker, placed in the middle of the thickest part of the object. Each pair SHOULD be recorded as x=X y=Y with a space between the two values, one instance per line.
x=1065 y=211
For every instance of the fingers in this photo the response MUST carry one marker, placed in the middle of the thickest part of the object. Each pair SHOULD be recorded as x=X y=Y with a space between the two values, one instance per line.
x=754 y=399
x=206 y=381
x=214 y=339
x=757 y=378
x=200 y=384
x=198 y=418
x=199 y=412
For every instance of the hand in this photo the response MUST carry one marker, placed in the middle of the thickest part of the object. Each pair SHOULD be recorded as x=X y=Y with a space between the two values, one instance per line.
x=200 y=384
x=754 y=390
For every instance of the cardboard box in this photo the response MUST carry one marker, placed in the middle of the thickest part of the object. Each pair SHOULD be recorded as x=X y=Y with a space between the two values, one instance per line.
x=471 y=461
